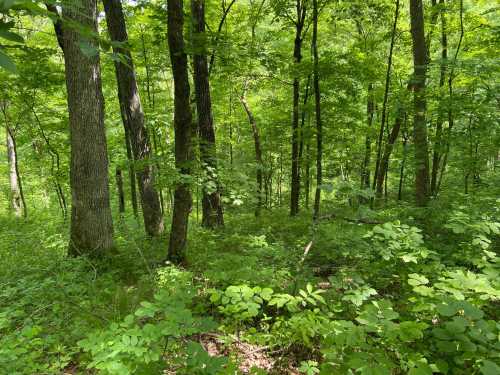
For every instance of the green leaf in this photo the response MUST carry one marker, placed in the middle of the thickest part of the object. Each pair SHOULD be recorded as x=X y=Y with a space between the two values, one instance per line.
x=421 y=369
x=489 y=368
x=7 y=63
x=9 y=35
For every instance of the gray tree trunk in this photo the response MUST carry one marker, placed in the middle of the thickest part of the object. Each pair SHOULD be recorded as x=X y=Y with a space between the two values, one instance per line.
x=133 y=119
x=91 y=223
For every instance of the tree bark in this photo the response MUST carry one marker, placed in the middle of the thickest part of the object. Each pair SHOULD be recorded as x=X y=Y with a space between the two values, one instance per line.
x=419 y=102
x=258 y=151
x=119 y=188
x=211 y=202
x=370 y=112
x=438 y=143
x=91 y=223
x=130 y=103
x=15 y=189
x=386 y=94
x=297 y=57
x=317 y=108
x=183 y=124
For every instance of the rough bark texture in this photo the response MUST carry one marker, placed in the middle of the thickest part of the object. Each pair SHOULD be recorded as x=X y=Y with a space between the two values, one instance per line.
x=183 y=129
x=317 y=108
x=91 y=223
x=15 y=190
x=211 y=201
x=258 y=152
x=419 y=103
x=133 y=118
x=297 y=57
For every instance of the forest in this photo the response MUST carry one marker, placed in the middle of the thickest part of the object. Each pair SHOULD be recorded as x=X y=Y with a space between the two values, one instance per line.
x=208 y=187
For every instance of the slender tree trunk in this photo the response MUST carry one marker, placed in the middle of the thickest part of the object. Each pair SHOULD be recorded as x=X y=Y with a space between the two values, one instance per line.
x=384 y=161
x=438 y=143
x=91 y=223
x=183 y=124
x=317 y=108
x=119 y=188
x=211 y=201
x=403 y=164
x=419 y=102
x=258 y=152
x=370 y=112
x=128 y=95
x=131 y=169
x=297 y=57
x=15 y=189
x=386 y=94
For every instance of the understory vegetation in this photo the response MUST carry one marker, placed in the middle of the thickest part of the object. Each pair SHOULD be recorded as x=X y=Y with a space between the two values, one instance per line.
x=417 y=294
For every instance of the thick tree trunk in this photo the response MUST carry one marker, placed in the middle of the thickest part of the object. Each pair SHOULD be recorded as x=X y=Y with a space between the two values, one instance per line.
x=317 y=109
x=15 y=189
x=419 y=103
x=130 y=102
x=91 y=223
x=183 y=124
x=386 y=94
x=438 y=143
x=258 y=152
x=297 y=57
x=211 y=201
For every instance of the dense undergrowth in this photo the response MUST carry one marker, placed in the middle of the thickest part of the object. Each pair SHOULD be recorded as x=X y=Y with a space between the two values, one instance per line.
x=416 y=294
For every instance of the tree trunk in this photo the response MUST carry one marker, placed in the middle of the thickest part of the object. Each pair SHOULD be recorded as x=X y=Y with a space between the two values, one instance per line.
x=419 y=103
x=403 y=163
x=183 y=124
x=438 y=143
x=370 y=112
x=119 y=188
x=91 y=223
x=15 y=186
x=384 y=161
x=211 y=201
x=131 y=168
x=386 y=94
x=130 y=102
x=297 y=57
x=317 y=108
x=258 y=152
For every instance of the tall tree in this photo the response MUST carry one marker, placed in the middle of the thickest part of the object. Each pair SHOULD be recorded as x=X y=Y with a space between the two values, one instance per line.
x=91 y=223
x=258 y=150
x=317 y=108
x=299 y=23
x=16 y=198
x=133 y=117
x=419 y=103
x=386 y=94
x=211 y=201
x=183 y=119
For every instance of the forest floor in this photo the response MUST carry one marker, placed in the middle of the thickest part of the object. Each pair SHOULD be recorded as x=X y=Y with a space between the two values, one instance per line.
x=58 y=313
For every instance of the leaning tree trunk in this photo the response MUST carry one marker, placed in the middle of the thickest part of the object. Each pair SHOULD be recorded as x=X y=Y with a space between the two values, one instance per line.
x=370 y=112
x=91 y=223
x=258 y=152
x=133 y=116
x=15 y=186
x=211 y=201
x=317 y=108
x=183 y=129
x=297 y=57
x=419 y=103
